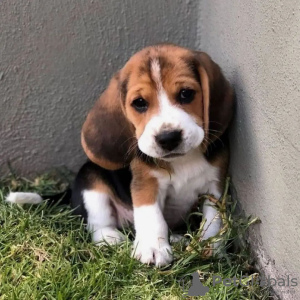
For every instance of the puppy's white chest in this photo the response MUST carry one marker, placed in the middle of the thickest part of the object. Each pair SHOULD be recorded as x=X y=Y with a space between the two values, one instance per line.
x=179 y=192
x=192 y=176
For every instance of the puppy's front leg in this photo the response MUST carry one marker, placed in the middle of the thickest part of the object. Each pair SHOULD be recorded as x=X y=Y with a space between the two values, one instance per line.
x=151 y=244
x=212 y=216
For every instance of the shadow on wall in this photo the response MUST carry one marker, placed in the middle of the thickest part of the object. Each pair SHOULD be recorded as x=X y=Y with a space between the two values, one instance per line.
x=243 y=156
x=242 y=134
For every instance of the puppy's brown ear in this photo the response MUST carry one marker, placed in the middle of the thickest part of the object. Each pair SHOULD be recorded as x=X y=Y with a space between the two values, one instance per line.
x=217 y=98
x=107 y=136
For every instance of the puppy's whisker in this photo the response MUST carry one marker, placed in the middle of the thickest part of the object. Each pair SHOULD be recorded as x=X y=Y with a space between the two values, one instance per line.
x=130 y=138
x=131 y=148
x=217 y=138
x=210 y=122
x=209 y=130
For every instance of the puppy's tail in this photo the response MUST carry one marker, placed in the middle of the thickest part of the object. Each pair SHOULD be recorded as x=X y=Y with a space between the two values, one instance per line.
x=34 y=198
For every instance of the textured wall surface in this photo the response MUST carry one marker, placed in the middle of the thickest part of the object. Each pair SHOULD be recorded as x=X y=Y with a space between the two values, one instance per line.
x=258 y=45
x=57 y=56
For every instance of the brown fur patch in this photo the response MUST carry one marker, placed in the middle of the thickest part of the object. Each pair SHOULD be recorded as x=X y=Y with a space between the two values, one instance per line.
x=144 y=186
x=100 y=186
x=219 y=158
x=218 y=98
x=106 y=134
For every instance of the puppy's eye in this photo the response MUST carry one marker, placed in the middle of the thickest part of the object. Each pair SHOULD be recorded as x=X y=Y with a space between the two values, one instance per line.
x=186 y=96
x=140 y=105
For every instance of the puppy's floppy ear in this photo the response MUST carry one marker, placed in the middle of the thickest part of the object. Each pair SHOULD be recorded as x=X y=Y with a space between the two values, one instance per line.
x=107 y=136
x=217 y=98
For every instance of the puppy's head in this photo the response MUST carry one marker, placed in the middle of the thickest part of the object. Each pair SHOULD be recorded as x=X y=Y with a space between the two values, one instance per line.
x=166 y=101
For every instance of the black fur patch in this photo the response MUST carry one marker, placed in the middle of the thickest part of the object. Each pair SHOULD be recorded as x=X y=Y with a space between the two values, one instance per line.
x=215 y=148
x=193 y=65
x=118 y=181
x=164 y=63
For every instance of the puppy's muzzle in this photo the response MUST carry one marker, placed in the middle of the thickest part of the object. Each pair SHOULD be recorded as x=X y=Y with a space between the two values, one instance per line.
x=169 y=140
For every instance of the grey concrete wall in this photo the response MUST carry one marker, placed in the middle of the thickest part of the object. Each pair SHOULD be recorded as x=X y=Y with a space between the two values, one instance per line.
x=258 y=45
x=57 y=56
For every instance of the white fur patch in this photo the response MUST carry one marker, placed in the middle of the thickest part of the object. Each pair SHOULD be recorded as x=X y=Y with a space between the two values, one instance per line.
x=101 y=221
x=24 y=198
x=155 y=72
x=192 y=176
x=151 y=244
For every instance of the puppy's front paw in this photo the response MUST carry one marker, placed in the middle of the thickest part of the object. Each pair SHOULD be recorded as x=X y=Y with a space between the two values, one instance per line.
x=159 y=252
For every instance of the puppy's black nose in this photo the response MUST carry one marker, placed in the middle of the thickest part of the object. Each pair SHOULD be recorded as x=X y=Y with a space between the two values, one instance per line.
x=169 y=140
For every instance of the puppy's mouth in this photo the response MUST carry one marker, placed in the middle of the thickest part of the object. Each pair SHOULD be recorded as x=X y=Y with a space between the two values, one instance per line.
x=166 y=156
x=171 y=155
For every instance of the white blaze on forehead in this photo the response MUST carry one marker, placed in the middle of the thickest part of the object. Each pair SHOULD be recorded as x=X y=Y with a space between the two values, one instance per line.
x=163 y=99
x=156 y=74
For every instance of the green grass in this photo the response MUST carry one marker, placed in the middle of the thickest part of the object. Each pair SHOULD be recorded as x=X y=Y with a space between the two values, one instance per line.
x=45 y=253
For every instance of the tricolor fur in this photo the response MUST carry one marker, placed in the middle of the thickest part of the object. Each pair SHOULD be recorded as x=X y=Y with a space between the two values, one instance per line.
x=155 y=140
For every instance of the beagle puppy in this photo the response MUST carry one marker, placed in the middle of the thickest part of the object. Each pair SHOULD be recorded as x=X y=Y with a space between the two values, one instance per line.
x=155 y=140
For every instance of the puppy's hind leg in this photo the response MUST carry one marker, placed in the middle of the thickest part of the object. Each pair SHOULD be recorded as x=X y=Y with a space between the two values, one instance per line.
x=101 y=220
